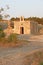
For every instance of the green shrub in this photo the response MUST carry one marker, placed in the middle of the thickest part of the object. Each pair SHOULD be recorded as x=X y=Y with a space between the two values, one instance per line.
x=12 y=38
x=41 y=63
x=1 y=28
x=2 y=34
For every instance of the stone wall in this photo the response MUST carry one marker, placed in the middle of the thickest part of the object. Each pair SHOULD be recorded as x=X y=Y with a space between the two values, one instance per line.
x=34 y=27
x=29 y=27
x=24 y=24
x=23 y=27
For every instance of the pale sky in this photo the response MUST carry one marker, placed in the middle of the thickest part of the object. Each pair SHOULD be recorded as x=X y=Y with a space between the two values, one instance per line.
x=24 y=8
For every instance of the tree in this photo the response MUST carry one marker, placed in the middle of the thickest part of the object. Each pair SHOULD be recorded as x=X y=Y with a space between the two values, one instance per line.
x=12 y=22
x=1 y=9
x=12 y=19
x=1 y=17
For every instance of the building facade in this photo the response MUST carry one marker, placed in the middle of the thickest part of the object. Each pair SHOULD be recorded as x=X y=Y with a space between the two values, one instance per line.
x=22 y=27
x=25 y=27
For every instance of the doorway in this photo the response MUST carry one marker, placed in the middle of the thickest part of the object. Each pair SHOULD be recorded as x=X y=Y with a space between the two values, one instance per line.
x=21 y=30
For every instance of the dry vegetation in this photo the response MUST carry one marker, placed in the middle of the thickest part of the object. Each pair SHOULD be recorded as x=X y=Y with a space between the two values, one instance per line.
x=35 y=58
x=18 y=43
x=12 y=41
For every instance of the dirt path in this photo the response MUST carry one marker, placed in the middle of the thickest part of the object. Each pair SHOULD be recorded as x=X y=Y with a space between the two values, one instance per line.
x=15 y=56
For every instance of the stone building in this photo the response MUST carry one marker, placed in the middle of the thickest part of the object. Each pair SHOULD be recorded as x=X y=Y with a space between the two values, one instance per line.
x=25 y=27
x=22 y=26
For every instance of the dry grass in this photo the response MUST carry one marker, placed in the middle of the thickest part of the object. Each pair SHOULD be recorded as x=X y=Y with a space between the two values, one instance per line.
x=35 y=58
x=5 y=43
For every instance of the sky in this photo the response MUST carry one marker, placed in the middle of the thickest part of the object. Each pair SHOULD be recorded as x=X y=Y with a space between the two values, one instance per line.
x=26 y=8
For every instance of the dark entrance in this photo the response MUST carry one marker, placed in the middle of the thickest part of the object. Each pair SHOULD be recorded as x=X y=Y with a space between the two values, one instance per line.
x=21 y=30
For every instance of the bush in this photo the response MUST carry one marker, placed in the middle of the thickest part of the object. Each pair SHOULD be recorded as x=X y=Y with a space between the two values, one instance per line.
x=41 y=63
x=12 y=38
x=1 y=28
x=2 y=34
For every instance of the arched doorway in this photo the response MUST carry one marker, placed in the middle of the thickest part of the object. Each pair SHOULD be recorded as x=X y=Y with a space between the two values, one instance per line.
x=21 y=30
